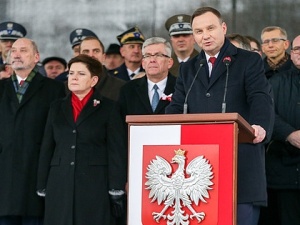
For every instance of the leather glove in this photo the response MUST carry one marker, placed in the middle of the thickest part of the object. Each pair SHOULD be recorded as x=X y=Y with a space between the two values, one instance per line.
x=117 y=200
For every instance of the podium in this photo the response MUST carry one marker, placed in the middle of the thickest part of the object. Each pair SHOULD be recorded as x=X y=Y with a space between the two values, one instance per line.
x=182 y=168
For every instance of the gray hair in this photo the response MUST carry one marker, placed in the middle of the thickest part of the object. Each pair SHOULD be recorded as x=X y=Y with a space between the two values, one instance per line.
x=158 y=40
x=271 y=28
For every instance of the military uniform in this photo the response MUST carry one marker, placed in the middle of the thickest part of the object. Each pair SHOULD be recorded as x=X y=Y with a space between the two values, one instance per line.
x=131 y=36
x=179 y=25
x=10 y=31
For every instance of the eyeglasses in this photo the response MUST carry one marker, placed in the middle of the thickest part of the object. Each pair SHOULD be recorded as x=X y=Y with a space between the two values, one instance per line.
x=296 y=50
x=156 y=56
x=273 y=40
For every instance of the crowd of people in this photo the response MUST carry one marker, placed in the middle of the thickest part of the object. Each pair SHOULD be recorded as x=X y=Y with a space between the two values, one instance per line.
x=63 y=136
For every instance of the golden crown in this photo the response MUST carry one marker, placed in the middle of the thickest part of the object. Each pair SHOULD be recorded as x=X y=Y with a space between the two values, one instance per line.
x=179 y=152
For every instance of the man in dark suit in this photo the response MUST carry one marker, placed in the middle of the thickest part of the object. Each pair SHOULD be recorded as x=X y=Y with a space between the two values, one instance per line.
x=131 y=49
x=137 y=96
x=274 y=45
x=108 y=86
x=25 y=100
x=248 y=94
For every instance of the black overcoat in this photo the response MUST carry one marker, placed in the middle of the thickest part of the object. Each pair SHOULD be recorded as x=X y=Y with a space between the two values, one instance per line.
x=81 y=161
x=21 y=131
x=248 y=93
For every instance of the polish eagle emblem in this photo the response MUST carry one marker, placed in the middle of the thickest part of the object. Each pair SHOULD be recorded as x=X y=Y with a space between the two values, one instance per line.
x=178 y=190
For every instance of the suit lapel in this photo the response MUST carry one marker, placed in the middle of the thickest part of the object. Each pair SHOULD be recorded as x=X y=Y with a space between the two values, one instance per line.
x=90 y=107
x=168 y=90
x=220 y=69
x=142 y=93
x=36 y=83
x=68 y=110
x=203 y=73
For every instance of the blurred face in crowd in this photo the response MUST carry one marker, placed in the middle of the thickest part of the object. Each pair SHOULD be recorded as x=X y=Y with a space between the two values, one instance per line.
x=93 y=49
x=23 y=55
x=5 y=46
x=255 y=48
x=295 y=52
x=76 y=50
x=53 y=68
x=182 y=43
x=113 y=61
x=132 y=53
x=80 y=79
x=156 y=62
x=274 y=45
x=209 y=32
x=5 y=71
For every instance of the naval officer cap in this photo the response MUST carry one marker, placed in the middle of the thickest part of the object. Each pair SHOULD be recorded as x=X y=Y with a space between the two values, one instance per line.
x=79 y=34
x=179 y=24
x=11 y=31
x=131 y=36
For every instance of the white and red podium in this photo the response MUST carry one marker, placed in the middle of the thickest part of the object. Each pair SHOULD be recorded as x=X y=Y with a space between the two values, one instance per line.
x=195 y=185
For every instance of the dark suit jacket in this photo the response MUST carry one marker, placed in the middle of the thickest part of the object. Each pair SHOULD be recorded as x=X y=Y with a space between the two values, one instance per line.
x=122 y=72
x=109 y=86
x=81 y=161
x=248 y=94
x=22 y=127
x=134 y=99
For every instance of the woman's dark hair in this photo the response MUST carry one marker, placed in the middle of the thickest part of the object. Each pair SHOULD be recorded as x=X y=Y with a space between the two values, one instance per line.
x=93 y=65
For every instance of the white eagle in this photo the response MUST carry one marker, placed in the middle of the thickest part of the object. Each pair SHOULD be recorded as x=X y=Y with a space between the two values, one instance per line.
x=178 y=190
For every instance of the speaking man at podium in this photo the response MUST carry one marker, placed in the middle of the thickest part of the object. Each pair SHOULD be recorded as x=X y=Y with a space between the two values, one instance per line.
x=223 y=78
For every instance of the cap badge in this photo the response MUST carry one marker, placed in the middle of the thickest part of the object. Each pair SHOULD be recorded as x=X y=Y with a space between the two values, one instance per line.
x=79 y=32
x=180 y=19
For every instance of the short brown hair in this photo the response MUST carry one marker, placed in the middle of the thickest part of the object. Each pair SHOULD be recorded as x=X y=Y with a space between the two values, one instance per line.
x=202 y=10
x=93 y=65
x=93 y=38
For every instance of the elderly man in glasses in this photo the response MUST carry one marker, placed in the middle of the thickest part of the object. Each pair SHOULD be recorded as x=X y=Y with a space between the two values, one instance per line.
x=274 y=45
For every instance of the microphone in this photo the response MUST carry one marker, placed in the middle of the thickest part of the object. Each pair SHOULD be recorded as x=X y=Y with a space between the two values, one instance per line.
x=226 y=61
x=185 y=105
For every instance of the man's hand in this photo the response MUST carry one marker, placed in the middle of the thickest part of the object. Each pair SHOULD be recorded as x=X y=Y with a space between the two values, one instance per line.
x=294 y=138
x=259 y=133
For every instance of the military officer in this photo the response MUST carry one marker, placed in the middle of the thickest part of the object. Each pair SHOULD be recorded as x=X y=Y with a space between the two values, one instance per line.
x=182 y=40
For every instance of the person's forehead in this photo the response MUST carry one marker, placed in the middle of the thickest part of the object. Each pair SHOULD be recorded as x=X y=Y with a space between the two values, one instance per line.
x=271 y=34
x=21 y=43
x=91 y=44
x=54 y=62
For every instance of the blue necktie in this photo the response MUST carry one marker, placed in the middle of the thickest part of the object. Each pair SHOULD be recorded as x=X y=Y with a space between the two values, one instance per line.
x=155 y=98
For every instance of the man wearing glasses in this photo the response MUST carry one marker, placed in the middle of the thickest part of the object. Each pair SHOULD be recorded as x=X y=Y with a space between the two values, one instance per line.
x=274 y=46
x=283 y=155
x=151 y=93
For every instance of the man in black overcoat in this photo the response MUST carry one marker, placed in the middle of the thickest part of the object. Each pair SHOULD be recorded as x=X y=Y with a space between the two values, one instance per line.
x=248 y=93
x=25 y=99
